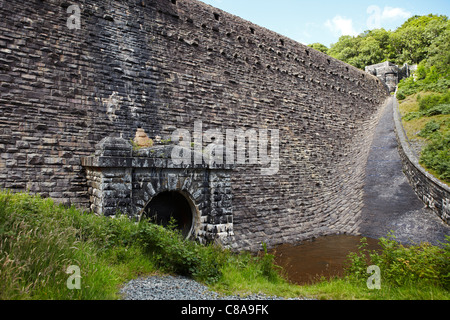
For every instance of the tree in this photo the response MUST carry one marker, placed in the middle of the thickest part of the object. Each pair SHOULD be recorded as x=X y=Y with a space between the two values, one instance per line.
x=375 y=47
x=439 y=52
x=345 y=50
x=412 y=40
x=419 y=38
x=319 y=47
x=370 y=47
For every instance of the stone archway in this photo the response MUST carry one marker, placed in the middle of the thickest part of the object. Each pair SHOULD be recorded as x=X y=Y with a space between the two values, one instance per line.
x=177 y=205
x=171 y=207
x=124 y=180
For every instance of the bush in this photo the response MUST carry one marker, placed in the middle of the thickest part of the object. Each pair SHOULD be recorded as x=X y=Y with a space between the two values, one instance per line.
x=174 y=254
x=403 y=265
x=433 y=100
x=437 y=110
x=436 y=156
x=407 y=87
x=430 y=128
x=431 y=83
x=400 y=95
x=413 y=115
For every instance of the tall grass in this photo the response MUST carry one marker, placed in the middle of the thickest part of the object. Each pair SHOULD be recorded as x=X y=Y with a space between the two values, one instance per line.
x=404 y=265
x=40 y=240
x=417 y=272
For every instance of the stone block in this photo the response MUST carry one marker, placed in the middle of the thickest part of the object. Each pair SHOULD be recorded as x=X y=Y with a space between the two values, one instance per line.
x=60 y=99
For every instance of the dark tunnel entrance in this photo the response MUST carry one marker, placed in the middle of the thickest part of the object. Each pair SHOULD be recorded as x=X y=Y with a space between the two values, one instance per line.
x=170 y=204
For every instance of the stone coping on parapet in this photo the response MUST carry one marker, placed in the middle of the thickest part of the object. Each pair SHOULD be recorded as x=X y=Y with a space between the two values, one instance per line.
x=138 y=162
x=118 y=153
x=434 y=193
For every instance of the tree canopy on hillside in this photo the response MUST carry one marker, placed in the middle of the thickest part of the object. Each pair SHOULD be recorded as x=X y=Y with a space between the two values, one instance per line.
x=423 y=39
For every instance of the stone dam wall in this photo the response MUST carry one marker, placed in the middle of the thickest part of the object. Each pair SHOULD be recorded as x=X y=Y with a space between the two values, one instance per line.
x=162 y=65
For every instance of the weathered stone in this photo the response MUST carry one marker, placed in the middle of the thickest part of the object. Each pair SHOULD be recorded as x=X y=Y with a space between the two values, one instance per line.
x=122 y=189
x=142 y=140
x=35 y=159
x=390 y=74
x=111 y=78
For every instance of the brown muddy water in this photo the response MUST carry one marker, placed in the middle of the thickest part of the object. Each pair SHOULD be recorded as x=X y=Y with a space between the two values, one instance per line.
x=308 y=262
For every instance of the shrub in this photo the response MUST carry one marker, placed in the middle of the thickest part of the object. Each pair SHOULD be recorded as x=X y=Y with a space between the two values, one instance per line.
x=437 y=110
x=430 y=128
x=403 y=265
x=400 y=95
x=431 y=83
x=436 y=156
x=430 y=101
x=174 y=254
x=413 y=115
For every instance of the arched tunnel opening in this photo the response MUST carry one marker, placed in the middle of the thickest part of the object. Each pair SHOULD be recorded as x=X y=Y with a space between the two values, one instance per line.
x=171 y=205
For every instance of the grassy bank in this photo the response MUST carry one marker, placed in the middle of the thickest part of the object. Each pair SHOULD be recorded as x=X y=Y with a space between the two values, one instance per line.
x=417 y=272
x=425 y=107
x=40 y=240
x=426 y=119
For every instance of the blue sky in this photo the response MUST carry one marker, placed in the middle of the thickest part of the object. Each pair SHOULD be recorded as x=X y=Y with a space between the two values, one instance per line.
x=325 y=21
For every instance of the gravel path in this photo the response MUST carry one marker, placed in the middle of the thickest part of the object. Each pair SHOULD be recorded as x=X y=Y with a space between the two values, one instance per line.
x=179 y=288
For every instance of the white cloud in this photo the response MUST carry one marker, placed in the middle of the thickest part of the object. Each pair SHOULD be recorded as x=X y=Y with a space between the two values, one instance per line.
x=341 y=26
x=390 y=13
x=379 y=17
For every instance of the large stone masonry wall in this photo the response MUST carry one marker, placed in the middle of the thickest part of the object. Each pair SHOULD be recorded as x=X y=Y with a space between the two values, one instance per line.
x=160 y=65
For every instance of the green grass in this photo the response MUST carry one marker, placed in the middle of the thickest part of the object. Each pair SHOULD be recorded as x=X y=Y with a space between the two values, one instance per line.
x=40 y=240
x=426 y=117
x=345 y=289
x=243 y=274
x=416 y=272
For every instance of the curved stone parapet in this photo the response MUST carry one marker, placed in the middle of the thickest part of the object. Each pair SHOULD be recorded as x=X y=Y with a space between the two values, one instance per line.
x=434 y=193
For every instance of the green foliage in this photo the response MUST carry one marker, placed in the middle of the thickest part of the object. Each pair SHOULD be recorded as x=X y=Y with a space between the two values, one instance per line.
x=430 y=81
x=267 y=265
x=439 y=53
x=437 y=110
x=173 y=254
x=319 y=47
x=400 y=95
x=413 y=115
x=412 y=40
x=442 y=109
x=368 y=48
x=436 y=155
x=419 y=38
x=430 y=128
x=403 y=265
x=434 y=100
x=40 y=240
